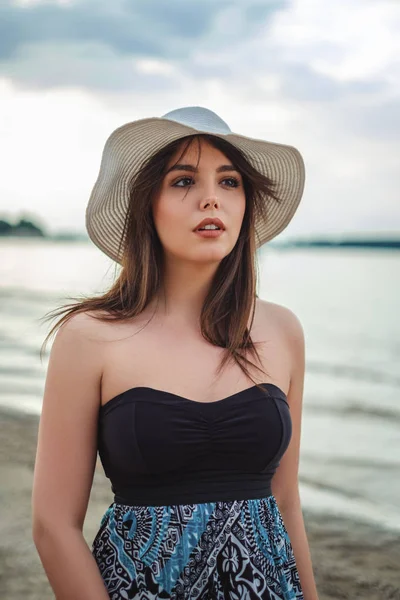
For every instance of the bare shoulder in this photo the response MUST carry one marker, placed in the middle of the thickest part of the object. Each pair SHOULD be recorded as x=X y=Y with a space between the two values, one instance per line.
x=88 y=338
x=87 y=327
x=78 y=347
x=283 y=317
x=288 y=327
x=82 y=323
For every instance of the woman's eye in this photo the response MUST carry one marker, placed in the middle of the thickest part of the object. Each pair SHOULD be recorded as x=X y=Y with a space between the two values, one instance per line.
x=233 y=181
x=180 y=180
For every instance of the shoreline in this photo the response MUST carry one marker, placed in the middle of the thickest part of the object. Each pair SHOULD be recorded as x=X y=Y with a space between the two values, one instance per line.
x=351 y=558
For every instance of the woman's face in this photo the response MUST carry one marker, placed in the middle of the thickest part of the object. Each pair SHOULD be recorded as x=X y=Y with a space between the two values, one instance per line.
x=188 y=196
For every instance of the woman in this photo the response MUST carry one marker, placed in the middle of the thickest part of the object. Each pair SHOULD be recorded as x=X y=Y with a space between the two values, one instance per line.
x=159 y=374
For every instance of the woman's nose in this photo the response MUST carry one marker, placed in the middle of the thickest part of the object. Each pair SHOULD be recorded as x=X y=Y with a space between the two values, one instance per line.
x=209 y=201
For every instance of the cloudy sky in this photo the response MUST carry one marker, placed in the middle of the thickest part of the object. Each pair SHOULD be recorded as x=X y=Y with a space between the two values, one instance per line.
x=322 y=76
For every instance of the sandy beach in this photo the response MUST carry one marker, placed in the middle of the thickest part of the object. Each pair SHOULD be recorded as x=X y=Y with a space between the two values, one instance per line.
x=351 y=559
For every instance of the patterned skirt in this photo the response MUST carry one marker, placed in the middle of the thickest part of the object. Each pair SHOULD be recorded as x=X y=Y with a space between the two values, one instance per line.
x=215 y=550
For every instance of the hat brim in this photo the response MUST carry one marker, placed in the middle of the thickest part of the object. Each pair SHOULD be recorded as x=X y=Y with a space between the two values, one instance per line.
x=132 y=144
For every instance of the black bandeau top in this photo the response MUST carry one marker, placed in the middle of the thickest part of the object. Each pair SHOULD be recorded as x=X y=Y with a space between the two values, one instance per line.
x=159 y=448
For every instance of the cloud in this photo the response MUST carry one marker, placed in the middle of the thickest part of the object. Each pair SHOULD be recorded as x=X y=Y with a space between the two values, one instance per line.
x=338 y=63
x=85 y=66
x=140 y=28
x=322 y=77
x=95 y=43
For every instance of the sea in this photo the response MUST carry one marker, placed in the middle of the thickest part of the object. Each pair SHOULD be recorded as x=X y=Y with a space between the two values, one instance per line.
x=348 y=302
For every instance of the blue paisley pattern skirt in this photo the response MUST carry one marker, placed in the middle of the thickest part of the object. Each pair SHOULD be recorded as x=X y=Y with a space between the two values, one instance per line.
x=236 y=550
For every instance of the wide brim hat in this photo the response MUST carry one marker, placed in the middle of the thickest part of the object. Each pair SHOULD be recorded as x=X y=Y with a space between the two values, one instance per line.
x=132 y=144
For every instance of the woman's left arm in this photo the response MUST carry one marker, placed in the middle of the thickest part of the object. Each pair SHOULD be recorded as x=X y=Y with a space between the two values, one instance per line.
x=285 y=485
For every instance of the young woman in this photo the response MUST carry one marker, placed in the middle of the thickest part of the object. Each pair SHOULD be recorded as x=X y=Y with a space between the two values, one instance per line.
x=187 y=384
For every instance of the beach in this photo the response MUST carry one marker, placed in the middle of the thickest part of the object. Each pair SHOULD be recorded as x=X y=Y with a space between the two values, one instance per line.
x=352 y=559
x=350 y=441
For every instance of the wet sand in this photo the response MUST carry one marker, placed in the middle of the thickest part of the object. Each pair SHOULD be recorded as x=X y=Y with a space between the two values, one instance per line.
x=351 y=559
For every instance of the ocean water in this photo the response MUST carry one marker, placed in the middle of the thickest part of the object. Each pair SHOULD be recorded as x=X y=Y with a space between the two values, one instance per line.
x=348 y=302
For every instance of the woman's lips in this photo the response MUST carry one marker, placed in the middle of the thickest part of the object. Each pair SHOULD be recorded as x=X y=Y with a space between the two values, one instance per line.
x=209 y=233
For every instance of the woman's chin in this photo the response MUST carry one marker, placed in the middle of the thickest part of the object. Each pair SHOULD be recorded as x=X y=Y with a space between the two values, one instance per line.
x=206 y=253
x=212 y=255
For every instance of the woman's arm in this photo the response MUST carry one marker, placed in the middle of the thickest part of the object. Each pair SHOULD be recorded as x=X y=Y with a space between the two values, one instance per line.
x=285 y=481
x=65 y=461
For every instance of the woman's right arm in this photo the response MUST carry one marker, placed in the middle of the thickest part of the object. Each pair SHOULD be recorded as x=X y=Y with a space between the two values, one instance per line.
x=66 y=459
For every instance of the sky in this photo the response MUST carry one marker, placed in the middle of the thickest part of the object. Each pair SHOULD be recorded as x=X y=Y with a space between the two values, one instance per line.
x=321 y=76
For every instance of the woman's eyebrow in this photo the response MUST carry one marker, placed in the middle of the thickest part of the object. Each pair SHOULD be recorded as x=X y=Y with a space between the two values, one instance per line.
x=192 y=169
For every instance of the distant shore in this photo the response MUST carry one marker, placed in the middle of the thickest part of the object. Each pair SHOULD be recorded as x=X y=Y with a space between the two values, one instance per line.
x=25 y=228
x=388 y=244
x=377 y=244
x=350 y=559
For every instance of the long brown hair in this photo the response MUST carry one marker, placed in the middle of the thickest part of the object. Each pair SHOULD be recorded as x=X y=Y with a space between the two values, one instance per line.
x=231 y=297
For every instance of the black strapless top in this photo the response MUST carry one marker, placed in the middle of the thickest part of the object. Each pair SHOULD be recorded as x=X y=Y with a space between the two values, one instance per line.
x=159 y=448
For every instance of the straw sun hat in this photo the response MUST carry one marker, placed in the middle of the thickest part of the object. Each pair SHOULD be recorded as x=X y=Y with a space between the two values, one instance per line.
x=130 y=145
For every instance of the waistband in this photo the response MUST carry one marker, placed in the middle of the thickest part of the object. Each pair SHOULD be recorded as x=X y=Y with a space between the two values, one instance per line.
x=195 y=491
